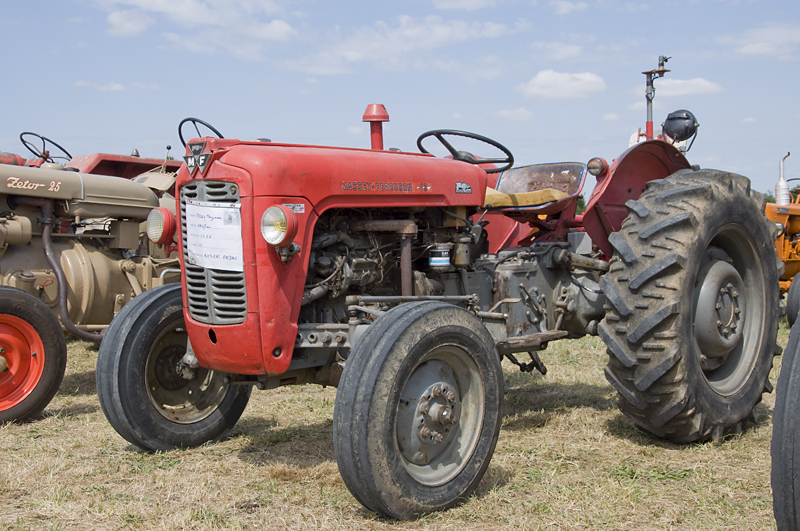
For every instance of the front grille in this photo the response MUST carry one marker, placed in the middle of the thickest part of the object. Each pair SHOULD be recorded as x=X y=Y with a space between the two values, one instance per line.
x=214 y=296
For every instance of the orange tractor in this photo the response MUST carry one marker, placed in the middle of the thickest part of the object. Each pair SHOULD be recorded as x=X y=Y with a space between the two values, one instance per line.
x=786 y=211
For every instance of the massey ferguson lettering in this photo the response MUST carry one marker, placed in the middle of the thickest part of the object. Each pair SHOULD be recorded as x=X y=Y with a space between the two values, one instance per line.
x=360 y=186
x=19 y=184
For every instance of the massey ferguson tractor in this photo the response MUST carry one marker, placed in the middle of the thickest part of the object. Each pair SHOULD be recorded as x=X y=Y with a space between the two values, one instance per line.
x=71 y=256
x=375 y=271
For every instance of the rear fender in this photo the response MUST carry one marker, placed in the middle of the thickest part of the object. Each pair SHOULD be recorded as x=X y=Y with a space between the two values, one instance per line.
x=627 y=179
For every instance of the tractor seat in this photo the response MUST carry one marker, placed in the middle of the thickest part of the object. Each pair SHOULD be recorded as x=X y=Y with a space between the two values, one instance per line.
x=537 y=189
x=495 y=199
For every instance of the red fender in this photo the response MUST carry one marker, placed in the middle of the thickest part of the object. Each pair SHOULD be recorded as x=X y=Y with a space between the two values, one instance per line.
x=627 y=179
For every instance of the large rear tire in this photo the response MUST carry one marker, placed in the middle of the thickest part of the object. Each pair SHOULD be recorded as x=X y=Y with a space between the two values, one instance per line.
x=418 y=410
x=693 y=306
x=33 y=352
x=786 y=438
x=793 y=301
x=140 y=391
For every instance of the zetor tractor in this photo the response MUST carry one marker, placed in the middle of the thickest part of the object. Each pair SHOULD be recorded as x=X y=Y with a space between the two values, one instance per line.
x=71 y=256
x=370 y=270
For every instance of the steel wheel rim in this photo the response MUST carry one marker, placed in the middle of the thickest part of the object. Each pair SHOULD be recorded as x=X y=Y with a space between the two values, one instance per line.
x=737 y=364
x=436 y=456
x=23 y=352
x=175 y=398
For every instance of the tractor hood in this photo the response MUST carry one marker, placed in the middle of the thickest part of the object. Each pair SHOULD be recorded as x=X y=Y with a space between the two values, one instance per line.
x=89 y=196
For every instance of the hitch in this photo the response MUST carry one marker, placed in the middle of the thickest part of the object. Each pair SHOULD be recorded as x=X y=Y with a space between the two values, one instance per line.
x=535 y=363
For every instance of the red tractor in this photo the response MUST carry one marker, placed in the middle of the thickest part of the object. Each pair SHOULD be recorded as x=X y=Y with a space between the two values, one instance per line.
x=370 y=270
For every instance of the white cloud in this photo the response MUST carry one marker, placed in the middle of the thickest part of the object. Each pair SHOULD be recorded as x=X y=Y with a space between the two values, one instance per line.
x=243 y=28
x=467 y=5
x=198 y=13
x=550 y=85
x=115 y=87
x=611 y=117
x=108 y=87
x=780 y=41
x=557 y=51
x=128 y=23
x=516 y=115
x=683 y=87
x=389 y=45
x=749 y=120
x=355 y=130
x=458 y=115
x=563 y=7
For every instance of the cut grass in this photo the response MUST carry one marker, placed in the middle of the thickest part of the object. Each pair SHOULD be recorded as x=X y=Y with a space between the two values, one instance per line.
x=566 y=459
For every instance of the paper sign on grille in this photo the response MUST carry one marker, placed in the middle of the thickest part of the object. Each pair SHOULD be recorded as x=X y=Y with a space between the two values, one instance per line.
x=214 y=235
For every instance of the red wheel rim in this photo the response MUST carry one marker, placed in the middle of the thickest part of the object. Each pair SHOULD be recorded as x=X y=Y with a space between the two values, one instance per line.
x=24 y=353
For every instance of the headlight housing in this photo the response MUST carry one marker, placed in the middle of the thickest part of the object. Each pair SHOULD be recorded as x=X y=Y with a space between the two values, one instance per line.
x=160 y=226
x=279 y=226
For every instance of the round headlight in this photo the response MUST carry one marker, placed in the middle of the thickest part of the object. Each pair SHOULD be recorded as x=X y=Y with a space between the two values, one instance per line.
x=597 y=166
x=160 y=225
x=278 y=225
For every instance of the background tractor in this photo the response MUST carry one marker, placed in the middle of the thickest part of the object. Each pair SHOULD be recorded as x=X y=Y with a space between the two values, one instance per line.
x=374 y=271
x=71 y=256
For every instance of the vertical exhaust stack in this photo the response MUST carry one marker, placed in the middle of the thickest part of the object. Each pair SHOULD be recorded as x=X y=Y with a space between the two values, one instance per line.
x=376 y=114
x=782 y=195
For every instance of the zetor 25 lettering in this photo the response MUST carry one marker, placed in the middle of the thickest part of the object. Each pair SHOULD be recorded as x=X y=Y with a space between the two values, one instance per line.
x=357 y=186
x=16 y=182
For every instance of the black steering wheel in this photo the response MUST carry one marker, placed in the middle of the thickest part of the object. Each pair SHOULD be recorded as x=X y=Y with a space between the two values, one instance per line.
x=466 y=156
x=195 y=122
x=44 y=153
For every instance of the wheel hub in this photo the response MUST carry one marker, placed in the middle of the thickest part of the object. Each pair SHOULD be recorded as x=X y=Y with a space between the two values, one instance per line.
x=436 y=417
x=720 y=315
x=3 y=362
x=167 y=369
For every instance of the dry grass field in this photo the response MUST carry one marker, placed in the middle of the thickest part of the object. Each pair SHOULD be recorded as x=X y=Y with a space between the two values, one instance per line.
x=566 y=459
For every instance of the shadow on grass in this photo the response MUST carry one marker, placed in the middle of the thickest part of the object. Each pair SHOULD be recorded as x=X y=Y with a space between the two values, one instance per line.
x=78 y=383
x=304 y=445
x=533 y=405
x=74 y=410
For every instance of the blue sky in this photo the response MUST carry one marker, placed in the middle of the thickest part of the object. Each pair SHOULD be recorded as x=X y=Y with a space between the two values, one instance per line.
x=553 y=80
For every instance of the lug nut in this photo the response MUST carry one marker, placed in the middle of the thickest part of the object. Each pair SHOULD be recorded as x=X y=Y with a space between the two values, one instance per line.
x=423 y=408
x=425 y=432
x=436 y=391
x=438 y=437
x=451 y=396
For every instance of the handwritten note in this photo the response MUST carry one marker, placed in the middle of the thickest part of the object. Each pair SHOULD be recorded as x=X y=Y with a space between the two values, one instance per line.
x=214 y=235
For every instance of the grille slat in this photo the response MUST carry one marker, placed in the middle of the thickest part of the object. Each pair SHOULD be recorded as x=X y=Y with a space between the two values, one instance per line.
x=214 y=296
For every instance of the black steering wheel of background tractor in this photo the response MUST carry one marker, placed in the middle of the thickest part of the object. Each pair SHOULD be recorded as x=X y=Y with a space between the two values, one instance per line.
x=195 y=122
x=44 y=154
x=465 y=156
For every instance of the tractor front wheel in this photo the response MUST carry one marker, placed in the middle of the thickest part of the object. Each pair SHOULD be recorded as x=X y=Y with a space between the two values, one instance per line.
x=143 y=391
x=693 y=306
x=33 y=355
x=786 y=438
x=418 y=410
